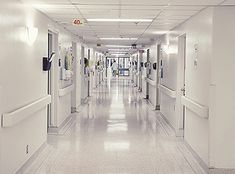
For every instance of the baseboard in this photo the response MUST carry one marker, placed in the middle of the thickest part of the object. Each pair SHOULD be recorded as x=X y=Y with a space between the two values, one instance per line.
x=75 y=109
x=150 y=104
x=30 y=161
x=221 y=171
x=203 y=165
x=157 y=107
x=63 y=126
x=85 y=100
x=167 y=121
x=178 y=132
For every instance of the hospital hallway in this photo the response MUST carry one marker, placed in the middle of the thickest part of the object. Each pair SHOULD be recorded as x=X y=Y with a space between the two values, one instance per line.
x=116 y=132
x=117 y=87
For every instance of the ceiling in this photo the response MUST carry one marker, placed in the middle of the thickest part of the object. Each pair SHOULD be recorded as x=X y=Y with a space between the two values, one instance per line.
x=166 y=14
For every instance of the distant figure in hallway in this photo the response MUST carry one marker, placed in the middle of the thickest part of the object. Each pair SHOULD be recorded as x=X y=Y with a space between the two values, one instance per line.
x=114 y=68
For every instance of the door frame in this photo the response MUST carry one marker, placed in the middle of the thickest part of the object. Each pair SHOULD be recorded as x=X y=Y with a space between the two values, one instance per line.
x=147 y=74
x=53 y=75
x=158 y=78
x=181 y=80
x=140 y=70
x=89 y=75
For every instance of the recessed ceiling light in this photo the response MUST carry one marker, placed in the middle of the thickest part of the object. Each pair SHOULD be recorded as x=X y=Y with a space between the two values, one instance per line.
x=118 y=49
x=118 y=52
x=118 y=46
x=119 y=20
x=160 y=32
x=117 y=38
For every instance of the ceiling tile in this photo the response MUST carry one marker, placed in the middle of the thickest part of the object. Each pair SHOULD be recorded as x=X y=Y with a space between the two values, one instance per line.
x=57 y=9
x=229 y=2
x=185 y=7
x=168 y=16
x=195 y=2
x=95 y=2
x=146 y=2
x=136 y=13
x=142 y=7
x=45 y=2
x=179 y=12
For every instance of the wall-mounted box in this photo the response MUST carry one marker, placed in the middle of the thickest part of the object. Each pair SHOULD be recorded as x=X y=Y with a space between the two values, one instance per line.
x=142 y=64
x=154 y=66
x=46 y=64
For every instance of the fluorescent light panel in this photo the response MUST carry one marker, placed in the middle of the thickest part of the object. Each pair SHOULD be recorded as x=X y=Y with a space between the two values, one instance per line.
x=118 y=49
x=118 y=52
x=160 y=32
x=119 y=20
x=117 y=38
x=118 y=46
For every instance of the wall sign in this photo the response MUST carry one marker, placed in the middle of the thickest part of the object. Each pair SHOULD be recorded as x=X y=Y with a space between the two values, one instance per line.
x=196 y=50
x=79 y=22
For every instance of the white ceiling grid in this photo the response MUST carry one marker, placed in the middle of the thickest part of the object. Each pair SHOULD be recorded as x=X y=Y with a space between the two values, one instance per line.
x=166 y=14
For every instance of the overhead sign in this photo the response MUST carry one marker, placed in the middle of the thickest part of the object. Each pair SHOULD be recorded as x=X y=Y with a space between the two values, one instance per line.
x=79 y=22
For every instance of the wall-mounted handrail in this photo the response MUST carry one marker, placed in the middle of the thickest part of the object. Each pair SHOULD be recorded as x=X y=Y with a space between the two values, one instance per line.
x=12 y=118
x=66 y=90
x=151 y=82
x=171 y=93
x=200 y=110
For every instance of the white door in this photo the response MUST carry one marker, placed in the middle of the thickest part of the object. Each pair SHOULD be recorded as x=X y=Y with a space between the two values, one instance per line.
x=158 y=77
x=181 y=84
x=53 y=79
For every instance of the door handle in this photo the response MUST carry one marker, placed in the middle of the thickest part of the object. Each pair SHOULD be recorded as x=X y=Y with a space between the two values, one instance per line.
x=183 y=89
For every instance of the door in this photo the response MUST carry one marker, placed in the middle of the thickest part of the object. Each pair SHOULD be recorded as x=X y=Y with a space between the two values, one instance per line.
x=147 y=75
x=49 y=79
x=182 y=68
x=158 y=77
x=88 y=85
x=52 y=79
x=141 y=66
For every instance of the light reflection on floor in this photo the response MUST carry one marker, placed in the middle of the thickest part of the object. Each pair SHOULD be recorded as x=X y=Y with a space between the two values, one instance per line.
x=116 y=133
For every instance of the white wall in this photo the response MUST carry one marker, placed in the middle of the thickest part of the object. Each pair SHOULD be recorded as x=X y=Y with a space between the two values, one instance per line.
x=197 y=78
x=140 y=59
x=64 y=102
x=76 y=94
x=144 y=75
x=167 y=103
x=222 y=107
x=22 y=81
x=208 y=83
x=84 y=78
x=153 y=75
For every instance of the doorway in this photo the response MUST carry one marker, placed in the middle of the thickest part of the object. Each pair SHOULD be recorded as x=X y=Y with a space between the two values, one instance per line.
x=49 y=79
x=140 y=69
x=147 y=73
x=89 y=75
x=52 y=80
x=158 y=77
x=181 y=70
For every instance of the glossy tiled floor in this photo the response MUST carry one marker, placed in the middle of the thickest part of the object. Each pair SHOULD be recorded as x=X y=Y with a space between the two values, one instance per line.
x=116 y=133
